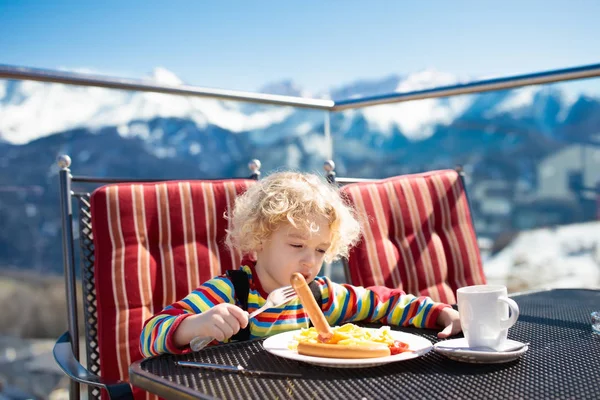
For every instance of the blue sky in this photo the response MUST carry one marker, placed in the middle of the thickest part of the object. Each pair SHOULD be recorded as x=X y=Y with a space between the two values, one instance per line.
x=244 y=45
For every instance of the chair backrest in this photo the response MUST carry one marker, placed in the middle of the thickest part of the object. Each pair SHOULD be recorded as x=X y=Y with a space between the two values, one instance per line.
x=153 y=244
x=418 y=237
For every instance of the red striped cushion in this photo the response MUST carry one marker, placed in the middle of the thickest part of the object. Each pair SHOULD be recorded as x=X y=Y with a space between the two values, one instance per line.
x=419 y=235
x=154 y=243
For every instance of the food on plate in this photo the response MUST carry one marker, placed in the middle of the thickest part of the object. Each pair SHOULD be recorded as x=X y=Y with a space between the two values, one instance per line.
x=343 y=351
x=349 y=341
x=311 y=307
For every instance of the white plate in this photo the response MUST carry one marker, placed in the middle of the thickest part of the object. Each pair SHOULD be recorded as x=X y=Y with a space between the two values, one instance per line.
x=458 y=349
x=278 y=345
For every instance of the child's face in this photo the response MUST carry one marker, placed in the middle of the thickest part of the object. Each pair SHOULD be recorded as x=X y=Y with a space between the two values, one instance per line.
x=290 y=250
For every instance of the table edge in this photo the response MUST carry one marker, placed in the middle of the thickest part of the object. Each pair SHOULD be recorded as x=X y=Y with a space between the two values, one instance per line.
x=164 y=388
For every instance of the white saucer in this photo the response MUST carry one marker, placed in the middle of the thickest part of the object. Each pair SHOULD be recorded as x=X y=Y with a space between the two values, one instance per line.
x=458 y=349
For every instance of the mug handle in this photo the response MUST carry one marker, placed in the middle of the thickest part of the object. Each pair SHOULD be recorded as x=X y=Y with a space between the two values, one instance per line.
x=514 y=312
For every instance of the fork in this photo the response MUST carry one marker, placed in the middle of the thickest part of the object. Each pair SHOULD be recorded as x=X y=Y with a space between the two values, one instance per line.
x=276 y=298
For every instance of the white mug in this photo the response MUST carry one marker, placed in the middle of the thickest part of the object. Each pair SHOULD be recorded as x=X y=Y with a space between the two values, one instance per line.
x=484 y=315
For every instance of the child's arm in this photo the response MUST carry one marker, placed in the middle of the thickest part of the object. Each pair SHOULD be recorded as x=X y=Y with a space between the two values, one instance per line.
x=159 y=333
x=346 y=303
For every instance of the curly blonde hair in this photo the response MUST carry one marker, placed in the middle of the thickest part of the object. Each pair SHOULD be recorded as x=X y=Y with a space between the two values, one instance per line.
x=295 y=198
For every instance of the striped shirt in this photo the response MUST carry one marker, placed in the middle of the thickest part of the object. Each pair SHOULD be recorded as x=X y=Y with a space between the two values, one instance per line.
x=341 y=303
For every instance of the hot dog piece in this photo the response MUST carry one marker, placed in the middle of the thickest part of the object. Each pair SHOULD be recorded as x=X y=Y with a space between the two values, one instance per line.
x=311 y=307
x=343 y=351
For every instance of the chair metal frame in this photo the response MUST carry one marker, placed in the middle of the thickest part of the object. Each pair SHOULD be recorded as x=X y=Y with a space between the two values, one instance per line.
x=66 y=350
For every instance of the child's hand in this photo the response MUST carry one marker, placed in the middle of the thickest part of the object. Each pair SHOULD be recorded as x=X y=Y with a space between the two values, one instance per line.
x=221 y=322
x=450 y=320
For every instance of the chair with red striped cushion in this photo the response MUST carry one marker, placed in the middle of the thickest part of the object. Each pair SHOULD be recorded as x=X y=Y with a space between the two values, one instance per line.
x=154 y=244
x=419 y=236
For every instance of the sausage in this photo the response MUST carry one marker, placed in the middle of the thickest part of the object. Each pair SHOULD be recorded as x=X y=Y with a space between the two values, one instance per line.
x=343 y=351
x=311 y=307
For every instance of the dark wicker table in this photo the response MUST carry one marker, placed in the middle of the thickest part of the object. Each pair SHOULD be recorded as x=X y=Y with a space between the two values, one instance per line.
x=563 y=362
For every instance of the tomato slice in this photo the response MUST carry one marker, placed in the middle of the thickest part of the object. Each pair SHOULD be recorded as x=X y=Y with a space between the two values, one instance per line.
x=398 y=347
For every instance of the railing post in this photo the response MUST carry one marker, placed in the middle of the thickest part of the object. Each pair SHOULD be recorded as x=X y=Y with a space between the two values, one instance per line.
x=327 y=134
x=254 y=167
x=64 y=162
x=329 y=167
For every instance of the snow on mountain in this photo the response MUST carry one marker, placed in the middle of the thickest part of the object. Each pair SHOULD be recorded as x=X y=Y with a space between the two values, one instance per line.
x=521 y=100
x=427 y=79
x=363 y=88
x=30 y=110
x=516 y=100
x=165 y=77
x=566 y=256
x=417 y=119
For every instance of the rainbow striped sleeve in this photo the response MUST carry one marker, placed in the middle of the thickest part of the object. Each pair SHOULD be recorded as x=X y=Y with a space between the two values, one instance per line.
x=157 y=334
x=345 y=303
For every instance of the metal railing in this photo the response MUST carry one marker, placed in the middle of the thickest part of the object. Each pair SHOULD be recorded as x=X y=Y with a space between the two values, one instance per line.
x=73 y=78
x=79 y=79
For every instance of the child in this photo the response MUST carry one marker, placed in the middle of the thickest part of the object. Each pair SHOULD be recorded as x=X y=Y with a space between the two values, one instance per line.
x=288 y=222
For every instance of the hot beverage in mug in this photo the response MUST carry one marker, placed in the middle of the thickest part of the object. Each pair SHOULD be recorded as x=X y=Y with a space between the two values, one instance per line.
x=486 y=313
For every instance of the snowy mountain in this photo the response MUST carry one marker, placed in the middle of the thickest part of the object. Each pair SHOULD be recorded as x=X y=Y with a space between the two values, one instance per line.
x=30 y=110
x=566 y=256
